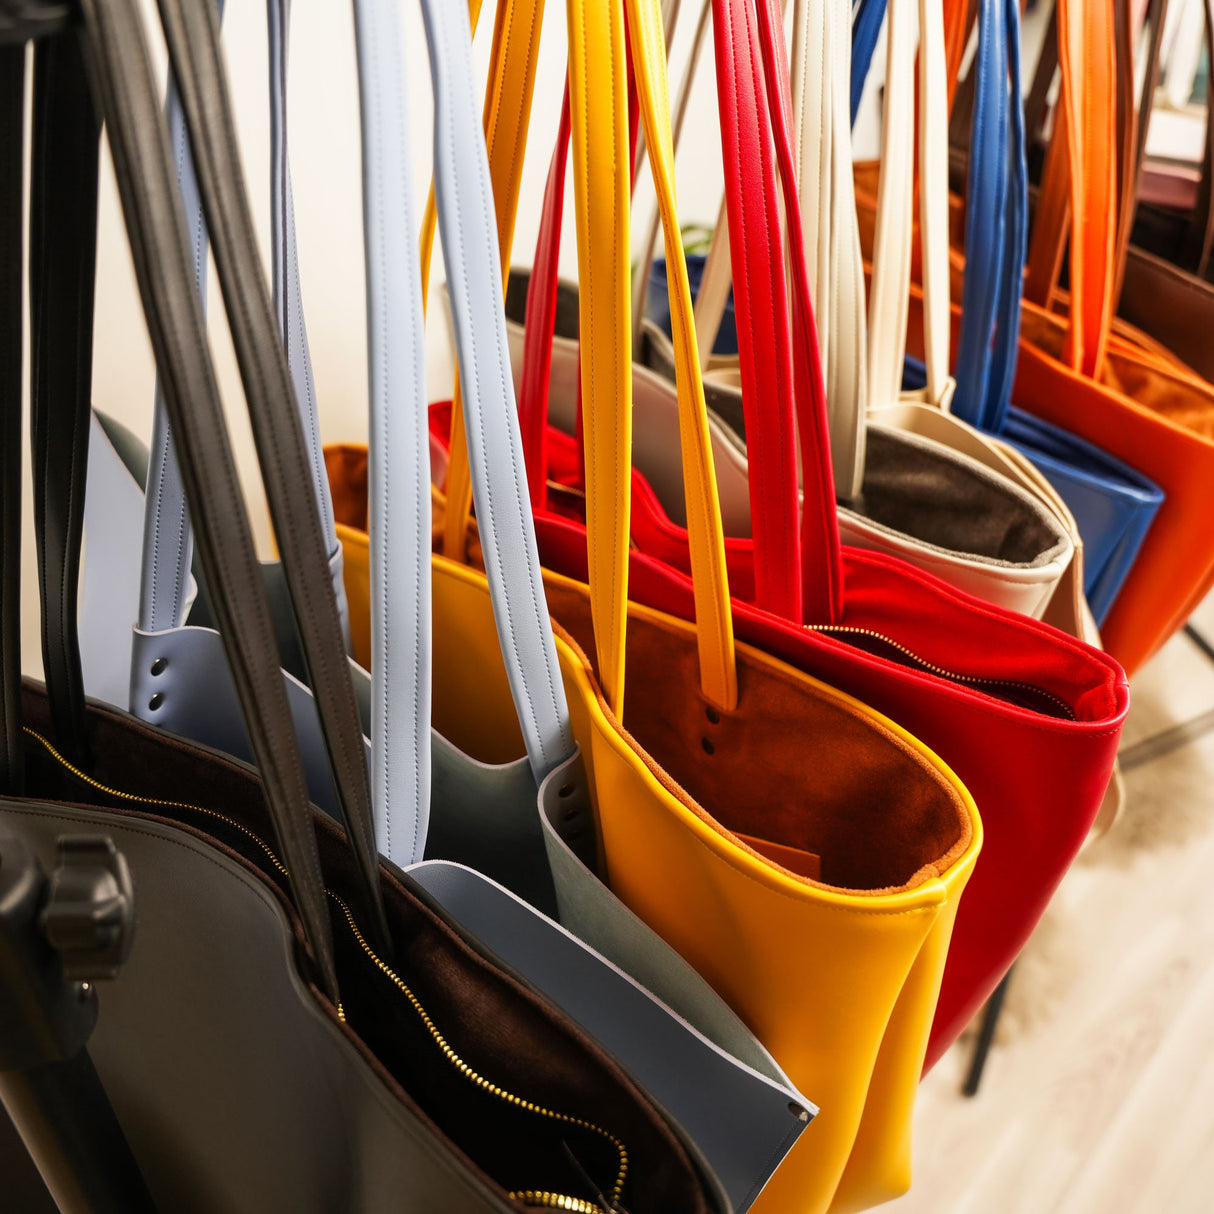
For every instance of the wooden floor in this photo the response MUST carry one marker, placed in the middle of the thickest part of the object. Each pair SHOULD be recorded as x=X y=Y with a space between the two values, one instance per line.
x=1100 y=1097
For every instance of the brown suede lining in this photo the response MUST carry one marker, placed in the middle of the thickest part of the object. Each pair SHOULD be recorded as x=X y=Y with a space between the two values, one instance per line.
x=346 y=465
x=785 y=766
x=497 y=1024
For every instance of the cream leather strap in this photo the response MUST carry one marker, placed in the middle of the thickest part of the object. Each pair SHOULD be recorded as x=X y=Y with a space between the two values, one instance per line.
x=893 y=237
x=821 y=71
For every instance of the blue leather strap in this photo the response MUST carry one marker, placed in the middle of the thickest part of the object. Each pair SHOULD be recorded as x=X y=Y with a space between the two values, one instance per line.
x=1007 y=318
x=867 y=20
x=986 y=219
x=399 y=462
x=168 y=545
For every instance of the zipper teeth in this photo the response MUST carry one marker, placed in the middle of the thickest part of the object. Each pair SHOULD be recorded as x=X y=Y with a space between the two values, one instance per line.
x=971 y=679
x=554 y=1201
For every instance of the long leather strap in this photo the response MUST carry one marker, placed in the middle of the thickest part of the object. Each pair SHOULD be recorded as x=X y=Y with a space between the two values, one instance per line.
x=640 y=285
x=507 y=114
x=821 y=81
x=986 y=217
x=466 y=218
x=167 y=547
x=122 y=78
x=277 y=431
x=1081 y=171
x=893 y=240
x=12 y=227
x=866 y=30
x=63 y=255
x=398 y=464
x=540 y=320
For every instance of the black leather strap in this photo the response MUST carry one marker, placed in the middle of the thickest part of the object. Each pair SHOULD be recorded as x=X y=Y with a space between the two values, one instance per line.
x=191 y=31
x=12 y=121
x=63 y=254
x=122 y=79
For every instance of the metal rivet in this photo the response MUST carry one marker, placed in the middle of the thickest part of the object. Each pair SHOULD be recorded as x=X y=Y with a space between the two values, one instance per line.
x=713 y=715
x=160 y=665
x=156 y=701
x=797 y=1111
x=565 y=790
x=708 y=746
x=570 y=814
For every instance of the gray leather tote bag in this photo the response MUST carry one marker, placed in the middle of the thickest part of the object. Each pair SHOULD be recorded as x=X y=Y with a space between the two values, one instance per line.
x=297 y=1028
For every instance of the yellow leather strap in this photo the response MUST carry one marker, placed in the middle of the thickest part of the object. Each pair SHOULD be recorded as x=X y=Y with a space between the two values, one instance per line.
x=601 y=163
x=507 y=114
x=714 y=621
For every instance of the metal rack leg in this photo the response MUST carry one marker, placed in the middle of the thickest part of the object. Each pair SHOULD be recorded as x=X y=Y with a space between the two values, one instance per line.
x=986 y=1035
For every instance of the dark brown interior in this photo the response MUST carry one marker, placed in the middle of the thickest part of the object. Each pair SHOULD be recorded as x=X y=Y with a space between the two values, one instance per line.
x=920 y=491
x=499 y=1027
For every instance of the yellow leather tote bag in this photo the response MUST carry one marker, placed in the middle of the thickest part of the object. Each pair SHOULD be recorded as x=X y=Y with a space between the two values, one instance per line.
x=805 y=854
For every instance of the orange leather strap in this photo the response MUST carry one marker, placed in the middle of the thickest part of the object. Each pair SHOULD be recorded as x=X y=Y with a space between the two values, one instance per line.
x=1081 y=165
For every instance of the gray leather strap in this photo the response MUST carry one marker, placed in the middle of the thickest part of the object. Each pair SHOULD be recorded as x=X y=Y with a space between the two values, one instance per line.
x=399 y=471
x=499 y=485
x=165 y=582
x=399 y=467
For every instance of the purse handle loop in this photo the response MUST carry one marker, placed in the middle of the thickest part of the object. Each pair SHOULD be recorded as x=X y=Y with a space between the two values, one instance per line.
x=165 y=580
x=597 y=85
x=1080 y=175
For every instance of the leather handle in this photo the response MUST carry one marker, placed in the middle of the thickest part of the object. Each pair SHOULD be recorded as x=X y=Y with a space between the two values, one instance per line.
x=167 y=544
x=63 y=257
x=282 y=448
x=1080 y=175
x=12 y=352
x=123 y=82
x=507 y=114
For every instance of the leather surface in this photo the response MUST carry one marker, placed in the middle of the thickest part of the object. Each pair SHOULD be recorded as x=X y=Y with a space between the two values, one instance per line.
x=684 y=1071
x=1024 y=585
x=203 y=1105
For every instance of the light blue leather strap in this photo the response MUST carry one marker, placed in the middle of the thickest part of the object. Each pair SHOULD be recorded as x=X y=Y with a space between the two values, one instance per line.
x=499 y=483
x=399 y=463
x=167 y=537
x=399 y=460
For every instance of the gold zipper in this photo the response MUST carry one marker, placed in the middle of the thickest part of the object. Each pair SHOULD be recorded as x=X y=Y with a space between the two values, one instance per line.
x=556 y=1201
x=952 y=675
x=529 y=1197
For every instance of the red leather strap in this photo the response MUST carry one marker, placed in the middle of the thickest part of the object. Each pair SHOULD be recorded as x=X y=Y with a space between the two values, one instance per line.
x=798 y=573
x=822 y=580
x=541 y=319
